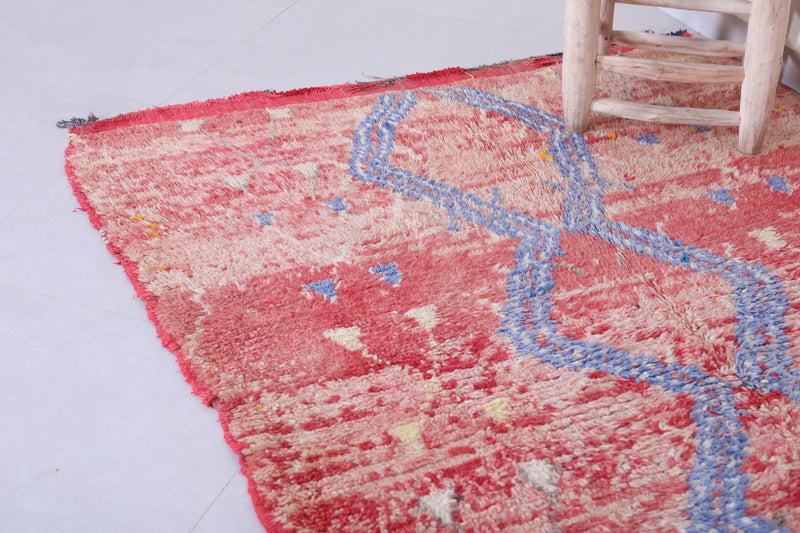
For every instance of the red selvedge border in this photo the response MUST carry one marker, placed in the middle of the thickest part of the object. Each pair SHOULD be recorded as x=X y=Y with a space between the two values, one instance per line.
x=265 y=99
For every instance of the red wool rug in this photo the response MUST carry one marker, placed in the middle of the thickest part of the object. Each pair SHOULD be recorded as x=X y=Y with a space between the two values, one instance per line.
x=422 y=305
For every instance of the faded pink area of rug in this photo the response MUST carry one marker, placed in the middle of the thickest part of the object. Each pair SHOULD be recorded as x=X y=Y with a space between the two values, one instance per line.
x=422 y=305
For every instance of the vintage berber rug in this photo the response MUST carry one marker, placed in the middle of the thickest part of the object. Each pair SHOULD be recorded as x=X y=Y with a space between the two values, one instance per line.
x=422 y=305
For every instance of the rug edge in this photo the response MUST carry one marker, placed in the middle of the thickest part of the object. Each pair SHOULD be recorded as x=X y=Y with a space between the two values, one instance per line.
x=131 y=270
x=255 y=99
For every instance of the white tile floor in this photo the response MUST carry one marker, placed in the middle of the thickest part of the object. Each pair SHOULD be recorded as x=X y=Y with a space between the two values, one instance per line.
x=99 y=432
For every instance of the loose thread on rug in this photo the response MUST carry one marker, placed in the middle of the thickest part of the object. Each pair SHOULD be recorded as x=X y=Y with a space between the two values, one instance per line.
x=76 y=122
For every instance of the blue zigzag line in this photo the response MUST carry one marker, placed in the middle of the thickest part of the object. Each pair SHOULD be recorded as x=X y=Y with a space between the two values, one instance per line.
x=762 y=361
x=568 y=149
x=716 y=483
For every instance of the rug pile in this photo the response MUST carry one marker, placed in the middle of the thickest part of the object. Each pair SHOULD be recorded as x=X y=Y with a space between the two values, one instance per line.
x=422 y=305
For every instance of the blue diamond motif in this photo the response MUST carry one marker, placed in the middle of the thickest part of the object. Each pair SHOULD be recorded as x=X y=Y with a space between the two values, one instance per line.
x=391 y=274
x=779 y=183
x=325 y=287
x=264 y=219
x=722 y=196
x=336 y=205
x=648 y=138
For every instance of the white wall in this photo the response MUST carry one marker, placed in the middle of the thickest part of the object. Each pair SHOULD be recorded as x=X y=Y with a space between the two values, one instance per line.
x=717 y=26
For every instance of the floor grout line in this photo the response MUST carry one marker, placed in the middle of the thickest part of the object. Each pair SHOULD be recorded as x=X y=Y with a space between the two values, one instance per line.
x=141 y=103
x=214 y=501
x=226 y=54
x=434 y=15
x=72 y=302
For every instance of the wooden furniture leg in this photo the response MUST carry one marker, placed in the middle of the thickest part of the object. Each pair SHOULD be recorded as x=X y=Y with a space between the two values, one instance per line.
x=766 y=34
x=588 y=35
x=606 y=27
x=579 y=75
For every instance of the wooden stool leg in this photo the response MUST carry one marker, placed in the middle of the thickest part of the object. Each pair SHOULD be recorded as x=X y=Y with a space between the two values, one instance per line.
x=579 y=75
x=606 y=27
x=766 y=34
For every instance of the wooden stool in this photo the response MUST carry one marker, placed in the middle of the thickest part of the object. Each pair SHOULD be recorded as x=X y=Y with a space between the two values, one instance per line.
x=588 y=35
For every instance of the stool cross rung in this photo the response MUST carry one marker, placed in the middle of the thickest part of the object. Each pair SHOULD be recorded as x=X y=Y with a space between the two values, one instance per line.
x=659 y=69
x=589 y=30
x=678 y=44
x=664 y=114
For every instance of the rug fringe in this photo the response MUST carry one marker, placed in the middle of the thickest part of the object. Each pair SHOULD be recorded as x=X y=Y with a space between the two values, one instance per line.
x=76 y=122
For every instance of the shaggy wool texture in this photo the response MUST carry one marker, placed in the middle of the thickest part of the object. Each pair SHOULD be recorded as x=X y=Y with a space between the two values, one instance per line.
x=422 y=305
